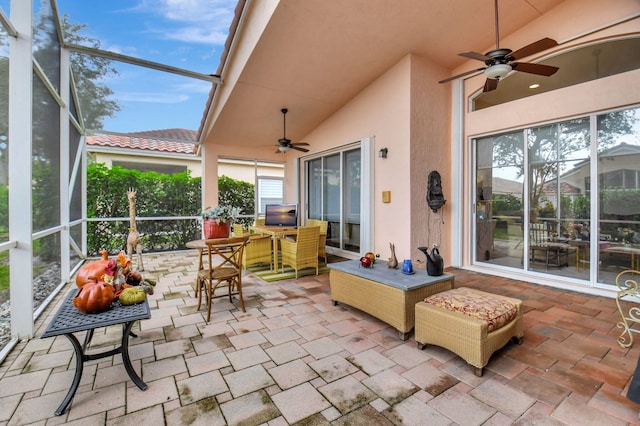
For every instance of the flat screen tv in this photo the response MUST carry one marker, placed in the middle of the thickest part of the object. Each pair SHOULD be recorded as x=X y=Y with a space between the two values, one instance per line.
x=281 y=215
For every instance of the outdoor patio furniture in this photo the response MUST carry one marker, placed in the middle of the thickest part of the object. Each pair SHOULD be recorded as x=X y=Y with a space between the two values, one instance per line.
x=627 y=282
x=68 y=320
x=322 y=241
x=226 y=273
x=303 y=252
x=543 y=248
x=470 y=323
x=276 y=233
x=386 y=293
x=259 y=251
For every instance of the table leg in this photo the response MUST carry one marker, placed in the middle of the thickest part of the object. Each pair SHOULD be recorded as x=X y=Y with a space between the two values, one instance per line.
x=275 y=254
x=200 y=266
x=127 y=361
x=87 y=339
x=77 y=376
x=81 y=358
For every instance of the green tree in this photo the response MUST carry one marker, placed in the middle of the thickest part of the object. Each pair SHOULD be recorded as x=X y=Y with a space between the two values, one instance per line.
x=546 y=143
x=506 y=205
x=90 y=72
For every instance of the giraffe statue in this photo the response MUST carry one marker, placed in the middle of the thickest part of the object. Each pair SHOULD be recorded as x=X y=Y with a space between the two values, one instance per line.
x=133 y=239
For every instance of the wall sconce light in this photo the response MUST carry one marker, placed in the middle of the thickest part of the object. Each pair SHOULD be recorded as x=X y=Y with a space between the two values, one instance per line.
x=383 y=153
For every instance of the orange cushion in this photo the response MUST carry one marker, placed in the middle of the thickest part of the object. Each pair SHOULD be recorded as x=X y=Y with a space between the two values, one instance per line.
x=495 y=311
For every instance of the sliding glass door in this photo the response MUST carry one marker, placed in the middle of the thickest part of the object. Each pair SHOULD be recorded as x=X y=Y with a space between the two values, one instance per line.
x=533 y=201
x=618 y=183
x=333 y=193
x=499 y=199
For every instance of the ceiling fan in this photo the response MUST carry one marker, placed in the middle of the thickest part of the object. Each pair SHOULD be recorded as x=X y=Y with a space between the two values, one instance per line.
x=285 y=144
x=499 y=62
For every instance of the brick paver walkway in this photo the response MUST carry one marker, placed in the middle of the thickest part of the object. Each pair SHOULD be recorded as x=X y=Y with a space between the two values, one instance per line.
x=295 y=358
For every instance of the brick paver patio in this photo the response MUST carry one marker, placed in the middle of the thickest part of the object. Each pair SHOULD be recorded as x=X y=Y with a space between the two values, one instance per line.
x=294 y=358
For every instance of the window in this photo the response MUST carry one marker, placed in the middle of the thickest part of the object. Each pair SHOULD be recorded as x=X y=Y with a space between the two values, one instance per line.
x=586 y=63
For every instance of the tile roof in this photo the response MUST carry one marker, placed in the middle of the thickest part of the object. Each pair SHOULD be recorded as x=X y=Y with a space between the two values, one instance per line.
x=164 y=140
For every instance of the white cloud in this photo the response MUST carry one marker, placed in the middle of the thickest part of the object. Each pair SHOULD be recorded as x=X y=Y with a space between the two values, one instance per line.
x=194 y=21
x=194 y=86
x=197 y=35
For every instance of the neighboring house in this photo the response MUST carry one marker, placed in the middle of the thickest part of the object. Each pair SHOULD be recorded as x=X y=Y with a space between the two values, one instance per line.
x=176 y=150
x=164 y=151
x=362 y=78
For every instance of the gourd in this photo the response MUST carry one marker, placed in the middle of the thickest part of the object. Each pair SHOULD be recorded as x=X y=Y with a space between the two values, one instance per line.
x=92 y=271
x=132 y=295
x=94 y=297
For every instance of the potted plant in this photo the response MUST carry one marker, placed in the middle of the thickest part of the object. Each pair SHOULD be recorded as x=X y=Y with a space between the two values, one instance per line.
x=216 y=221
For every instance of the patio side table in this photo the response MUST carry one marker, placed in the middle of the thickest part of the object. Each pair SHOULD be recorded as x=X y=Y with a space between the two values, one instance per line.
x=68 y=320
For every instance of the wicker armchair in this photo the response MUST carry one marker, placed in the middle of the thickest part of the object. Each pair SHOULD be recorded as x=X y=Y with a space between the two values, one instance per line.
x=303 y=252
x=226 y=272
x=322 y=241
x=258 y=251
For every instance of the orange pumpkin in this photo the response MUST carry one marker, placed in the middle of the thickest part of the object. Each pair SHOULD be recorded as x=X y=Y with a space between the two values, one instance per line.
x=92 y=271
x=94 y=297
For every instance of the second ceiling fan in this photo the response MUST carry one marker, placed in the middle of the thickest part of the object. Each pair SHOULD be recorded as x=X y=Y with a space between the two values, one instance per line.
x=500 y=61
x=285 y=144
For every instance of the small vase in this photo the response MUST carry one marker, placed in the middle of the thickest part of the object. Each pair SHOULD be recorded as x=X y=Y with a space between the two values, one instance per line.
x=213 y=229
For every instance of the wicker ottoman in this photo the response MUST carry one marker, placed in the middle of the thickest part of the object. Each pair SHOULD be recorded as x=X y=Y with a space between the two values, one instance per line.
x=471 y=323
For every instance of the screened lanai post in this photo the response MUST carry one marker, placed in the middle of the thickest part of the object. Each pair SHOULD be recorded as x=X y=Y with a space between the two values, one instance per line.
x=20 y=159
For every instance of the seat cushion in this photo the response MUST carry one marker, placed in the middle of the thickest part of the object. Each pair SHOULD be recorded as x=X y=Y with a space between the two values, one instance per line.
x=495 y=311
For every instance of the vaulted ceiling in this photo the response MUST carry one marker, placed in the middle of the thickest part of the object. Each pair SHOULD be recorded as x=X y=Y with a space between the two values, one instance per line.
x=315 y=55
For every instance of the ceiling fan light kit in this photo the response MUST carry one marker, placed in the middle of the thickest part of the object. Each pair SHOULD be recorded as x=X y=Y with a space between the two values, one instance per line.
x=500 y=61
x=497 y=71
x=285 y=144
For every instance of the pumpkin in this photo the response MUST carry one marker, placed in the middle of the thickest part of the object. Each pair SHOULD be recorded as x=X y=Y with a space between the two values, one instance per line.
x=92 y=272
x=94 y=297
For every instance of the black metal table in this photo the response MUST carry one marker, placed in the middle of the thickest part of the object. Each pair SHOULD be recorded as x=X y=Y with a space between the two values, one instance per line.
x=68 y=320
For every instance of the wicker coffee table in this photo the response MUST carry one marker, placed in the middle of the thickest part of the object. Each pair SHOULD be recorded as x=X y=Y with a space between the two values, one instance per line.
x=384 y=293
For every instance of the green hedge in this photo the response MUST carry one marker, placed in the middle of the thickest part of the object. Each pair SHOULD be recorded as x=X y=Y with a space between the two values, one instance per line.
x=157 y=195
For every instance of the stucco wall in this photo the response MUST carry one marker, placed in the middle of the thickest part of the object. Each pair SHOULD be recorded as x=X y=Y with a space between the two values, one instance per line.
x=212 y=154
x=430 y=150
x=407 y=112
x=193 y=165
x=381 y=110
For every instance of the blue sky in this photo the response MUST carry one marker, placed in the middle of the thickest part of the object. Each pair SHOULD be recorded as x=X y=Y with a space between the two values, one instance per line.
x=188 y=34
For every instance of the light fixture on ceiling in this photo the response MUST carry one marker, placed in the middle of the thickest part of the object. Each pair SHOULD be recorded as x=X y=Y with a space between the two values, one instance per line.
x=383 y=153
x=497 y=71
x=534 y=86
x=284 y=148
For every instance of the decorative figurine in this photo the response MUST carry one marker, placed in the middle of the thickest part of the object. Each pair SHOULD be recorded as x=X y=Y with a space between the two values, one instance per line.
x=133 y=239
x=393 y=261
